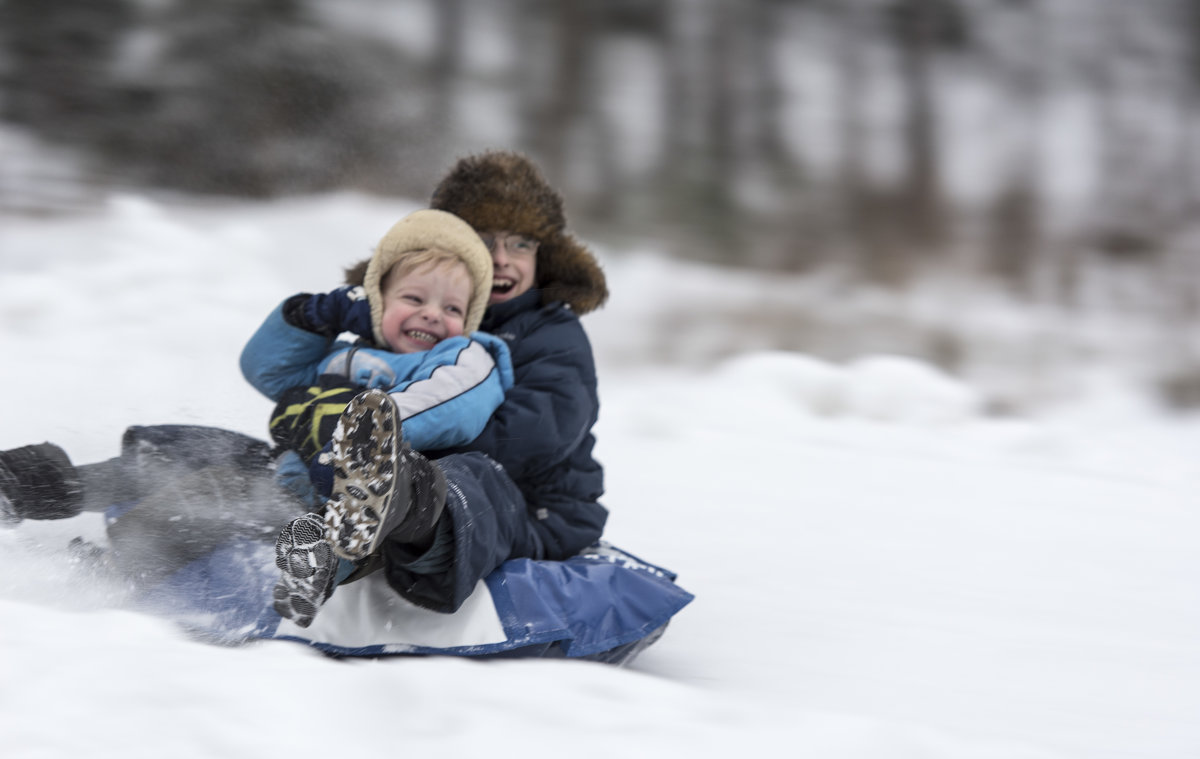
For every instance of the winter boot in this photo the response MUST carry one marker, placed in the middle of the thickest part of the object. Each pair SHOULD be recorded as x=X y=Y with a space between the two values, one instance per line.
x=38 y=482
x=309 y=569
x=382 y=488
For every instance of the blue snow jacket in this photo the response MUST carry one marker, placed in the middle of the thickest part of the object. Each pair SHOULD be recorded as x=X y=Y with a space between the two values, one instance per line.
x=445 y=395
x=542 y=433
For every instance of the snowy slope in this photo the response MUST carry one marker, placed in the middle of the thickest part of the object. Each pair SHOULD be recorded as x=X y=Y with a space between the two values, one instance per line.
x=880 y=570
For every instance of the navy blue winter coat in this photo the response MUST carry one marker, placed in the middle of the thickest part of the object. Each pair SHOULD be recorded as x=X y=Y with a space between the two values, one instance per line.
x=542 y=432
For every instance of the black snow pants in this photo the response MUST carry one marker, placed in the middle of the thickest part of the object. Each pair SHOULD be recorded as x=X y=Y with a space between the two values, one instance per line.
x=485 y=523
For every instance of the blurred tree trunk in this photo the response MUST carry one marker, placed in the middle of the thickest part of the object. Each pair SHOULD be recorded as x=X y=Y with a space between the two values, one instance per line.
x=721 y=168
x=863 y=223
x=699 y=173
x=1187 y=164
x=1018 y=59
x=917 y=23
x=682 y=116
x=849 y=53
x=768 y=142
x=786 y=221
x=445 y=72
x=569 y=43
x=1124 y=223
x=1181 y=267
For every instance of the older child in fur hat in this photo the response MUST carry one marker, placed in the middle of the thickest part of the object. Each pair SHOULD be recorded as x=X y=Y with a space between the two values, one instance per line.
x=527 y=485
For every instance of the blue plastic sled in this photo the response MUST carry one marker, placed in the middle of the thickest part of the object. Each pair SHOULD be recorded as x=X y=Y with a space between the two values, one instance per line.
x=603 y=605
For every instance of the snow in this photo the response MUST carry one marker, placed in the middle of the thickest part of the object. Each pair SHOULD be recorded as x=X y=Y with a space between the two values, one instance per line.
x=881 y=569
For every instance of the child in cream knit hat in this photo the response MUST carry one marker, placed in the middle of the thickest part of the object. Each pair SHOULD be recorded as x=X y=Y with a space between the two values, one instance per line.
x=417 y=311
x=415 y=319
x=439 y=249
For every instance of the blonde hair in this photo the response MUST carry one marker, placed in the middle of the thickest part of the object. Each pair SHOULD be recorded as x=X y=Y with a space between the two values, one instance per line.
x=421 y=258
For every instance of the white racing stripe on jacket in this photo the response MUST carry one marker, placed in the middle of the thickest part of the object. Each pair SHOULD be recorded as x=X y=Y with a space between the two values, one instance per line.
x=471 y=368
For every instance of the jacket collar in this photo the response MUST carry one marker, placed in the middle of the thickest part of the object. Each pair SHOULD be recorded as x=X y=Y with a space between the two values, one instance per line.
x=501 y=312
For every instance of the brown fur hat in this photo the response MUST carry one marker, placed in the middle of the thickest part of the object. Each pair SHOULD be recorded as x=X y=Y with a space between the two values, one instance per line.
x=505 y=191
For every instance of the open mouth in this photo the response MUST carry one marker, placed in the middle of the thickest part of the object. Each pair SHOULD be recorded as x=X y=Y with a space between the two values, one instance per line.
x=420 y=336
x=503 y=286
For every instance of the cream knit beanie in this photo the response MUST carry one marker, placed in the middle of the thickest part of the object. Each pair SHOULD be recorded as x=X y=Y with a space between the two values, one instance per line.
x=431 y=229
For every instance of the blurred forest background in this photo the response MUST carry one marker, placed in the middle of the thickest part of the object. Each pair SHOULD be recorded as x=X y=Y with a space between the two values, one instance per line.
x=1047 y=148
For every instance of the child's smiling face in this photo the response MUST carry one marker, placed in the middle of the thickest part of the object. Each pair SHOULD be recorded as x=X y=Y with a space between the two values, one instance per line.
x=423 y=307
x=514 y=264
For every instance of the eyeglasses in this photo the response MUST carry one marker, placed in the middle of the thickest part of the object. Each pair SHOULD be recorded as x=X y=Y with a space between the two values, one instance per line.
x=514 y=244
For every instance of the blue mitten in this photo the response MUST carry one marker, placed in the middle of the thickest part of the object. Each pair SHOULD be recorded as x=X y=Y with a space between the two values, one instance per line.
x=345 y=309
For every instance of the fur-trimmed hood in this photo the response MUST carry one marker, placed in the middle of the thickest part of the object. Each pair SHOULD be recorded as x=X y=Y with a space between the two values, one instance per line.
x=502 y=190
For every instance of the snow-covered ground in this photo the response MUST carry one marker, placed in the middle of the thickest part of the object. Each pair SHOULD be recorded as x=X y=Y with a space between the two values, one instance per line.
x=881 y=570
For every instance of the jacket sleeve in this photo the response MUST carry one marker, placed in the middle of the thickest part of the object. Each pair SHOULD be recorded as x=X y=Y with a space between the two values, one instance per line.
x=280 y=356
x=448 y=400
x=551 y=406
